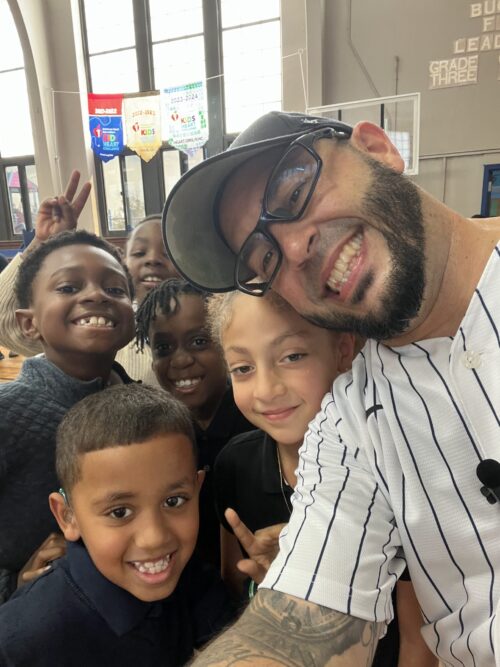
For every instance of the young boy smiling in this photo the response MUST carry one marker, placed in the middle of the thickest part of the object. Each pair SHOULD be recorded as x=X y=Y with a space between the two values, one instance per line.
x=127 y=592
x=145 y=257
x=75 y=298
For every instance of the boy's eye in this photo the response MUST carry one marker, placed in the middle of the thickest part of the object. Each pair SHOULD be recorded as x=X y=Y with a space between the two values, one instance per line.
x=162 y=349
x=175 y=501
x=66 y=289
x=116 y=291
x=120 y=513
x=241 y=370
x=137 y=253
x=295 y=356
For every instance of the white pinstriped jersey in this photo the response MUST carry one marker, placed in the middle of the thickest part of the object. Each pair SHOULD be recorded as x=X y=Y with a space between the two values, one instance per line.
x=388 y=472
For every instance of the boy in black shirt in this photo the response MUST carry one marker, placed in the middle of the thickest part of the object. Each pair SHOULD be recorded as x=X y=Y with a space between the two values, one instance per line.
x=127 y=592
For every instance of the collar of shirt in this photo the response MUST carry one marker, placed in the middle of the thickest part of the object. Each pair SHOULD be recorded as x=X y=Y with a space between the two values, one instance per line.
x=219 y=425
x=225 y=419
x=40 y=372
x=121 y=610
x=270 y=470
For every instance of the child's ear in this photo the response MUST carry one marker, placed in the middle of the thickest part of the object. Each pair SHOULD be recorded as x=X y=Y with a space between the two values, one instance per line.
x=64 y=516
x=345 y=347
x=26 y=320
x=200 y=478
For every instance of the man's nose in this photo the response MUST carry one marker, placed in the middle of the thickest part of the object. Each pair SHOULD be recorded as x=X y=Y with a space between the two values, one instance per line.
x=296 y=240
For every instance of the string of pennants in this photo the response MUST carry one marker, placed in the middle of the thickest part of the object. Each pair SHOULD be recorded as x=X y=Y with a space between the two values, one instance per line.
x=136 y=121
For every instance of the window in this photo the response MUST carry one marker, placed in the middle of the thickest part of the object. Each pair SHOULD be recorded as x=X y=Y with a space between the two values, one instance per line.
x=111 y=46
x=252 y=60
x=18 y=180
x=490 y=202
x=178 y=42
x=159 y=43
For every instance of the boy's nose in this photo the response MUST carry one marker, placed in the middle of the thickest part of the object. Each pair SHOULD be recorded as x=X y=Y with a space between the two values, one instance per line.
x=268 y=386
x=152 y=533
x=94 y=293
x=154 y=259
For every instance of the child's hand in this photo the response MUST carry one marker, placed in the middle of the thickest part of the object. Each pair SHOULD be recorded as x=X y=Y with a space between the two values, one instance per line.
x=261 y=546
x=60 y=213
x=53 y=547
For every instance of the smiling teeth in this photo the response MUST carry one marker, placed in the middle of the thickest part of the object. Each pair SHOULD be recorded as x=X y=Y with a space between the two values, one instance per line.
x=94 y=322
x=151 y=279
x=345 y=263
x=152 y=567
x=191 y=382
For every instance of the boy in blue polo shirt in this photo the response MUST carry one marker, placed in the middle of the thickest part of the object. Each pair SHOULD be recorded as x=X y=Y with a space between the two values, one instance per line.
x=127 y=592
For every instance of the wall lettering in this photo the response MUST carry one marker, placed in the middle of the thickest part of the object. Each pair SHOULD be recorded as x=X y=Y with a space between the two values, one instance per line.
x=453 y=72
x=462 y=70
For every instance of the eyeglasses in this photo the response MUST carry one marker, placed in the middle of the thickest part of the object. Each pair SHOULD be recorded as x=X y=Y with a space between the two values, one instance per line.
x=288 y=192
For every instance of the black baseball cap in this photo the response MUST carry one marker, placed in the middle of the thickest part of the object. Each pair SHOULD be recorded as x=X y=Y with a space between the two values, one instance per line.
x=189 y=220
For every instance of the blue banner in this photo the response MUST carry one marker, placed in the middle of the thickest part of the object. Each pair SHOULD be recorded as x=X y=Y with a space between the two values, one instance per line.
x=105 y=123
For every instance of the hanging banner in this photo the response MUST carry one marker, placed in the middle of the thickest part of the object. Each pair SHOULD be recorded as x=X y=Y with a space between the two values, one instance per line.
x=141 y=118
x=185 y=114
x=105 y=122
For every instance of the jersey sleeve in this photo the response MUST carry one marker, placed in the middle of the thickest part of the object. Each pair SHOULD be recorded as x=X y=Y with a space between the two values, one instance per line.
x=340 y=549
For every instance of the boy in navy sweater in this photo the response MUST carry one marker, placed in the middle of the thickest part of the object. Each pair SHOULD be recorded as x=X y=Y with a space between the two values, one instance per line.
x=74 y=296
x=127 y=592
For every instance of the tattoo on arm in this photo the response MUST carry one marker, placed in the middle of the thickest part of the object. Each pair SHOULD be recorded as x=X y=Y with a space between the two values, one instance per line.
x=279 y=629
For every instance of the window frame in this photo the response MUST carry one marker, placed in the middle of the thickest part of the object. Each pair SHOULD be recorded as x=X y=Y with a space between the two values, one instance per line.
x=8 y=238
x=219 y=140
x=7 y=234
x=488 y=170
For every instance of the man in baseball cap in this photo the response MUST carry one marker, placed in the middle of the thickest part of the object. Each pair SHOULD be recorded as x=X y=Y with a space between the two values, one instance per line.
x=322 y=214
x=191 y=218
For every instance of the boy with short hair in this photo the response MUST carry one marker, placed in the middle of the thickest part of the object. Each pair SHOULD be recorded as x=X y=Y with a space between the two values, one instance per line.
x=127 y=592
x=75 y=298
x=145 y=257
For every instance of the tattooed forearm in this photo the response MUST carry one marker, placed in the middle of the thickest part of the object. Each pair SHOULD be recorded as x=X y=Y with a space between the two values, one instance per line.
x=278 y=629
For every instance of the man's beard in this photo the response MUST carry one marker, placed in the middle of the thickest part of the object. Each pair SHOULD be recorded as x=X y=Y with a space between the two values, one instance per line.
x=393 y=203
